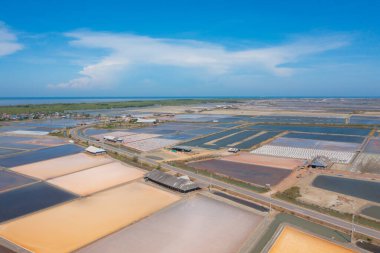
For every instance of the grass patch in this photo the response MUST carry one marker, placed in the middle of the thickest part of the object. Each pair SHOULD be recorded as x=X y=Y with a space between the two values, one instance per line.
x=120 y=125
x=58 y=134
x=132 y=161
x=61 y=133
x=290 y=194
x=135 y=162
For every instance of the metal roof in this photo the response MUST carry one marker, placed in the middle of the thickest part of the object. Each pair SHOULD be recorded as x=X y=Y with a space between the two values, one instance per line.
x=95 y=150
x=320 y=161
x=184 y=148
x=140 y=120
x=179 y=184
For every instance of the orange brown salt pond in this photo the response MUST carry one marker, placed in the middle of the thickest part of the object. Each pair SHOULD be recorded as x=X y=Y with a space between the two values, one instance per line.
x=99 y=178
x=297 y=241
x=70 y=226
x=270 y=161
x=61 y=166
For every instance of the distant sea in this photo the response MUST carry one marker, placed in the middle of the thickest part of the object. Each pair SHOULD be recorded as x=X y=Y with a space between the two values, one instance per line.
x=4 y=101
x=55 y=100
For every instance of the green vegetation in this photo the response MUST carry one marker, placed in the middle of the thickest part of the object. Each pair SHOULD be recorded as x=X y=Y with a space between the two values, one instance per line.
x=50 y=108
x=132 y=161
x=61 y=133
x=119 y=125
x=293 y=193
x=290 y=194
x=135 y=162
x=315 y=124
x=228 y=180
x=58 y=133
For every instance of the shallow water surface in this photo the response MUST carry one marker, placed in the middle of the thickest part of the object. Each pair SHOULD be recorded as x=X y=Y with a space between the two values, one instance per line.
x=357 y=188
x=29 y=199
x=40 y=155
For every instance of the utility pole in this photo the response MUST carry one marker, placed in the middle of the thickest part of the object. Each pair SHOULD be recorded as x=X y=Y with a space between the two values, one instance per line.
x=270 y=204
x=352 y=223
x=209 y=185
x=270 y=199
x=353 y=227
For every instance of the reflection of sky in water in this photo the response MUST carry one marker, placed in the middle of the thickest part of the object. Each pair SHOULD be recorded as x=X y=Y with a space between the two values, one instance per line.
x=204 y=131
x=180 y=136
x=4 y=151
x=364 y=120
x=326 y=137
x=94 y=131
x=40 y=155
x=9 y=179
x=29 y=199
x=298 y=119
x=315 y=129
x=358 y=188
x=14 y=142
x=372 y=211
x=199 y=117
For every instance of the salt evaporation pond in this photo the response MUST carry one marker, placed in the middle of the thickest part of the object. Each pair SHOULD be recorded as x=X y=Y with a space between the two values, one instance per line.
x=199 y=224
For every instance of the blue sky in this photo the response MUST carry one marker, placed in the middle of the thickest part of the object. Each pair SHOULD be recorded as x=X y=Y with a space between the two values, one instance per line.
x=189 y=48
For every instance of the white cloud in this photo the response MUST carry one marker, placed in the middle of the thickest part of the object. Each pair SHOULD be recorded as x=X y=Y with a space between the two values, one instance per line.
x=8 y=41
x=125 y=51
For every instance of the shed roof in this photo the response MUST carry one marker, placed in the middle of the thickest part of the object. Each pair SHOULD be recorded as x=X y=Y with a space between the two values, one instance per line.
x=320 y=161
x=95 y=150
x=180 y=184
x=141 y=120
x=184 y=148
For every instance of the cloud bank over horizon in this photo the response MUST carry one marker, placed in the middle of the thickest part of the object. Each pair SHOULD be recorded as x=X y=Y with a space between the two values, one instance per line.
x=123 y=54
x=222 y=48
x=8 y=41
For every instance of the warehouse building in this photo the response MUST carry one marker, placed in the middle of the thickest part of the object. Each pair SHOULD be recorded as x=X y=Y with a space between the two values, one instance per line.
x=95 y=151
x=181 y=149
x=320 y=162
x=147 y=121
x=181 y=184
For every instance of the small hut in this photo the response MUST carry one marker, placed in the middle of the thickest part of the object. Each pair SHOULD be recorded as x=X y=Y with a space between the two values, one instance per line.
x=320 y=162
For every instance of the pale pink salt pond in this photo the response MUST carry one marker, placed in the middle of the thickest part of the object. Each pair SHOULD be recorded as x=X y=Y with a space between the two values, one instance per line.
x=198 y=224
x=96 y=179
x=61 y=166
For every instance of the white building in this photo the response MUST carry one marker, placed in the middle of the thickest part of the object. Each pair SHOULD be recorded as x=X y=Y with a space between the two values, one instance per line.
x=149 y=121
x=95 y=151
